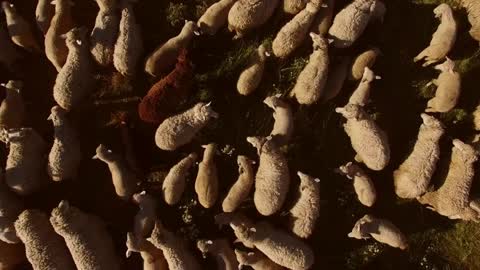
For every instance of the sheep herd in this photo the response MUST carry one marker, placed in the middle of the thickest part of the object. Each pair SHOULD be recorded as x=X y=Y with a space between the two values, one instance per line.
x=72 y=239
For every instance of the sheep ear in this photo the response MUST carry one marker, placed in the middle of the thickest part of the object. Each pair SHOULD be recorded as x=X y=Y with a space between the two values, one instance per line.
x=3 y=84
x=317 y=180
x=64 y=36
x=253 y=162
x=269 y=138
x=324 y=5
x=253 y=230
x=197 y=33
x=209 y=242
x=278 y=95
x=54 y=2
x=311 y=34
x=95 y=157
x=143 y=192
x=11 y=5
x=208 y=104
x=109 y=151
x=128 y=253
x=50 y=117
x=267 y=54
x=250 y=253
x=330 y=40
x=378 y=77
x=78 y=41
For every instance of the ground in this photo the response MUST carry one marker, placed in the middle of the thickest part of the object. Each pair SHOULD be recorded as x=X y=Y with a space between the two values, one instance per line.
x=318 y=147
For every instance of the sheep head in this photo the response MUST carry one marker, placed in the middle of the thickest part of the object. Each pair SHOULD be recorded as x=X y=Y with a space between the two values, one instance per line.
x=8 y=7
x=244 y=164
x=190 y=28
x=257 y=142
x=204 y=112
x=262 y=52
x=76 y=37
x=378 y=10
x=351 y=111
x=442 y=9
x=369 y=75
x=305 y=180
x=447 y=66
x=468 y=152
x=134 y=244
x=246 y=258
x=360 y=229
x=104 y=154
x=57 y=114
x=272 y=101
x=13 y=85
x=349 y=170
x=63 y=215
x=432 y=122
x=144 y=200
x=205 y=246
x=158 y=236
x=17 y=135
x=319 y=42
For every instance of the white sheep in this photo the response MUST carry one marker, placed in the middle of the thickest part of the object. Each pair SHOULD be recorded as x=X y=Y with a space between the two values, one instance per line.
x=365 y=59
x=381 y=230
x=75 y=80
x=280 y=247
x=362 y=184
x=9 y=54
x=336 y=79
x=476 y=118
x=246 y=15
x=242 y=187
x=26 y=161
x=145 y=218
x=65 y=154
x=12 y=108
x=350 y=23
x=174 y=249
x=129 y=46
x=256 y=260
x=294 y=6
x=175 y=181
x=165 y=56
x=55 y=47
x=44 y=248
x=306 y=209
x=282 y=113
x=449 y=86
x=180 y=129
x=311 y=81
x=324 y=18
x=473 y=12
x=223 y=252
x=19 y=29
x=443 y=39
x=12 y=255
x=251 y=76
x=361 y=95
x=292 y=34
x=86 y=237
x=44 y=14
x=105 y=32
x=272 y=179
x=215 y=17
x=123 y=178
x=452 y=199
x=206 y=183
x=153 y=258
x=412 y=178
x=235 y=219
x=367 y=138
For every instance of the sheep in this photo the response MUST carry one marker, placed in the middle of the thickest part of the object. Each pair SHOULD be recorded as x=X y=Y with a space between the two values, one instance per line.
x=413 y=176
x=44 y=248
x=164 y=96
x=245 y=15
x=282 y=113
x=44 y=14
x=153 y=258
x=256 y=260
x=311 y=81
x=55 y=47
x=19 y=29
x=280 y=247
x=362 y=184
x=123 y=178
x=443 y=39
x=473 y=12
x=224 y=254
x=306 y=209
x=175 y=181
x=449 y=84
x=86 y=237
x=324 y=18
x=129 y=45
x=452 y=199
x=145 y=218
x=241 y=188
x=180 y=129
x=206 y=183
x=176 y=254
x=26 y=161
x=9 y=54
x=166 y=54
x=379 y=229
x=476 y=118
x=12 y=108
x=65 y=154
x=367 y=138
x=272 y=179
x=365 y=59
x=350 y=23
x=12 y=255
x=251 y=76
x=236 y=219
x=336 y=78
x=75 y=81
x=105 y=32
x=361 y=95
x=292 y=34
x=215 y=17
x=294 y=6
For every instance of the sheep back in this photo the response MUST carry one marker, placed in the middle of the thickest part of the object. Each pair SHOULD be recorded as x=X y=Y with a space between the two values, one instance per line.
x=12 y=108
x=246 y=15
x=220 y=248
x=324 y=18
x=336 y=79
x=215 y=17
x=381 y=230
x=449 y=86
x=251 y=76
x=175 y=181
x=256 y=260
x=44 y=13
x=19 y=29
x=473 y=12
x=283 y=126
x=365 y=59
x=206 y=183
x=56 y=49
x=104 y=36
x=362 y=184
x=242 y=187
